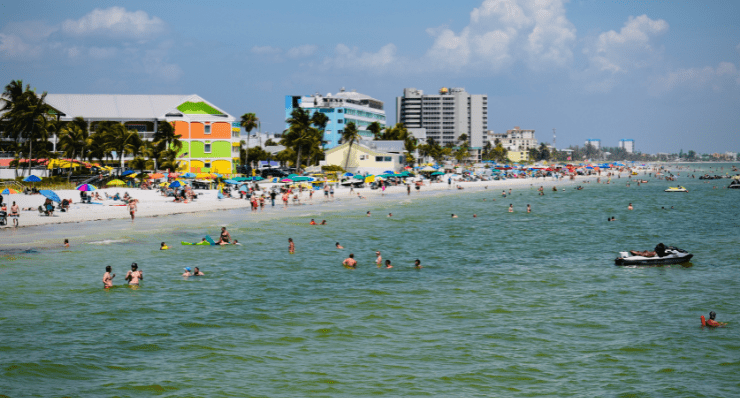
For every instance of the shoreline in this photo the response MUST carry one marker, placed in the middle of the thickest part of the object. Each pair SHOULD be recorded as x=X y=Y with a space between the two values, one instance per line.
x=43 y=231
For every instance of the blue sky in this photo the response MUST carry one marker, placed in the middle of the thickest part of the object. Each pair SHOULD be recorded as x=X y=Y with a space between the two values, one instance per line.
x=665 y=73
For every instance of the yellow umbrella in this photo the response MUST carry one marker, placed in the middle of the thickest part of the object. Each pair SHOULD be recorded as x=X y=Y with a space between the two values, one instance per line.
x=116 y=182
x=370 y=179
x=132 y=175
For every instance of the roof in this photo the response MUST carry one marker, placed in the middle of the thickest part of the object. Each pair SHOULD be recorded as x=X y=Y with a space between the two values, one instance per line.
x=386 y=146
x=352 y=95
x=361 y=146
x=125 y=106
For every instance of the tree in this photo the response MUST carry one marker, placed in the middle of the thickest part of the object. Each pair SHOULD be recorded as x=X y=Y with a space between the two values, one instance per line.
x=123 y=141
x=270 y=142
x=544 y=152
x=461 y=153
x=73 y=143
x=249 y=122
x=301 y=135
x=375 y=128
x=499 y=153
x=350 y=135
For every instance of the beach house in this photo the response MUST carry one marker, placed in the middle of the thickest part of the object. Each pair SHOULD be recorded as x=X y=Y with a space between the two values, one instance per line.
x=372 y=157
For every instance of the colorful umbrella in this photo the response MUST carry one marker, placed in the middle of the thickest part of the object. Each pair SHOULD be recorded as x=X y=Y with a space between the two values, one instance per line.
x=242 y=178
x=116 y=182
x=86 y=187
x=234 y=182
x=131 y=175
x=188 y=175
x=50 y=194
x=127 y=172
x=286 y=180
x=156 y=175
x=176 y=184
x=32 y=178
x=8 y=191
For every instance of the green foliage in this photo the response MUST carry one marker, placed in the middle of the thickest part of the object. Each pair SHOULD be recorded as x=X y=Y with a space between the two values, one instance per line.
x=332 y=167
x=200 y=108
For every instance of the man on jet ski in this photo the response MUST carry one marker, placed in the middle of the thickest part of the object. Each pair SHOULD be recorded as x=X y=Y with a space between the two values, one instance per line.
x=659 y=251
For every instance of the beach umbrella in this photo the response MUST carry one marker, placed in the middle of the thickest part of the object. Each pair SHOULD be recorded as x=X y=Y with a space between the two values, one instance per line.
x=127 y=172
x=243 y=188
x=388 y=172
x=131 y=175
x=359 y=177
x=348 y=174
x=175 y=184
x=156 y=175
x=369 y=179
x=241 y=178
x=32 y=178
x=234 y=182
x=257 y=178
x=286 y=180
x=50 y=194
x=8 y=191
x=438 y=173
x=86 y=188
x=205 y=175
x=300 y=178
x=188 y=175
x=116 y=182
x=428 y=168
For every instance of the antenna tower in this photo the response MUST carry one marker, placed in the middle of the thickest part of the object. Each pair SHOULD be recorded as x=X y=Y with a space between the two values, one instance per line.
x=553 y=139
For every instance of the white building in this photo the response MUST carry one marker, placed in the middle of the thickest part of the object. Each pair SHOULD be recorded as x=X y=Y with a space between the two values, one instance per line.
x=519 y=140
x=628 y=145
x=446 y=116
x=594 y=142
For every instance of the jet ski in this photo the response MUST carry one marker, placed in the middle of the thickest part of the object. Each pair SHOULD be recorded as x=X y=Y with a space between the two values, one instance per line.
x=672 y=255
x=676 y=189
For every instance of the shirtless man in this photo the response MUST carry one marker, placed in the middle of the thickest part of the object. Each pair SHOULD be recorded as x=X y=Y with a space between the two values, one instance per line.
x=14 y=214
x=350 y=261
x=187 y=272
x=388 y=264
x=197 y=272
x=225 y=237
x=529 y=208
x=291 y=246
x=339 y=246
x=379 y=259
x=132 y=208
x=108 y=277
x=630 y=207
x=711 y=322
x=417 y=264
x=134 y=276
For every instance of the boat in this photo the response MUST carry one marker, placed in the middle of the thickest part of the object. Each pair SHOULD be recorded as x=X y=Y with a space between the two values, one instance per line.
x=734 y=184
x=676 y=189
x=673 y=255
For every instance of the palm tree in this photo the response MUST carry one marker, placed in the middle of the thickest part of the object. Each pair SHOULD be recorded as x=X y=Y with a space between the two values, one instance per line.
x=73 y=142
x=351 y=136
x=297 y=134
x=249 y=121
x=26 y=116
x=166 y=133
x=375 y=128
x=124 y=141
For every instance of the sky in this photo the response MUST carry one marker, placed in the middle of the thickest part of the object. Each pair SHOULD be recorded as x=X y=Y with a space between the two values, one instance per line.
x=664 y=73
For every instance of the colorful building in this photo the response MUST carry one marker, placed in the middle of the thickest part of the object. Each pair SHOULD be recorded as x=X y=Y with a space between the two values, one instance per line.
x=209 y=136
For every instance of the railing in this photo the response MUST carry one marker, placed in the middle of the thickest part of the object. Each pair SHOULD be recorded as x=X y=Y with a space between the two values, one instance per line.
x=15 y=184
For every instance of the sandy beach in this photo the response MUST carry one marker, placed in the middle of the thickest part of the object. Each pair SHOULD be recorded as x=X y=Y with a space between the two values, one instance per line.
x=153 y=204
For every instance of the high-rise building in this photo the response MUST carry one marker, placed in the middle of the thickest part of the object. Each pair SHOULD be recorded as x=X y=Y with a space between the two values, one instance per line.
x=628 y=145
x=446 y=116
x=594 y=142
x=341 y=108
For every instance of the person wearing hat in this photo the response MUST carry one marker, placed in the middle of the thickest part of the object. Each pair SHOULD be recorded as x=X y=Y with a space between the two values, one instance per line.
x=187 y=272
x=134 y=276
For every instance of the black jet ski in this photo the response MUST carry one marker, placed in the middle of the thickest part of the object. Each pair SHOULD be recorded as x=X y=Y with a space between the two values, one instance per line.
x=672 y=255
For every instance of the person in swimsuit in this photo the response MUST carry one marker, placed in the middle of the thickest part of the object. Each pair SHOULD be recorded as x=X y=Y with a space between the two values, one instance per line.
x=711 y=322
x=108 y=277
x=134 y=276
x=529 y=208
x=388 y=264
x=14 y=214
x=630 y=207
x=350 y=261
x=163 y=246
x=291 y=246
x=379 y=259
x=225 y=237
x=511 y=208
x=187 y=272
x=197 y=272
x=66 y=243
x=339 y=246
x=132 y=208
x=417 y=264
x=323 y=222
x=312 y=222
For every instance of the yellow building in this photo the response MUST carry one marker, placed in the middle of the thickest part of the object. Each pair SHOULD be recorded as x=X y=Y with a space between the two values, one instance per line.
x=518 y=156
x=373 y=157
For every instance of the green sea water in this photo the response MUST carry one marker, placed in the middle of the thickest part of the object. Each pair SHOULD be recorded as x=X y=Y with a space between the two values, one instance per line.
x=507 y=304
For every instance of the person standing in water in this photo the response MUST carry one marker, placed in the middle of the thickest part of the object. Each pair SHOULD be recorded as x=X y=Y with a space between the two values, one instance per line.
x=417 y=264
x=134 y=276
x=291 y=246
x=108 y=277
x=388 y=264
x=379 y=259
x=350 y=261
x=511 y=208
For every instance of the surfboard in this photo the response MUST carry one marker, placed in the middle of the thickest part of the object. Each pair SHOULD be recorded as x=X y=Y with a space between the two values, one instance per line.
x=186 y=243
x=209 y=240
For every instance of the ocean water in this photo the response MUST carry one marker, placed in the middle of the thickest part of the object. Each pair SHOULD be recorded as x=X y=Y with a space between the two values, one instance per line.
x=507 y=304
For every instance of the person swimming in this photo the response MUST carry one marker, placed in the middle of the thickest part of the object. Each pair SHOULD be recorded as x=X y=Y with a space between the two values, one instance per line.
x=350 y=261
x=163 y=246
x=339 y=246
x=417 y=264
x=187 y=272
x=711 y=322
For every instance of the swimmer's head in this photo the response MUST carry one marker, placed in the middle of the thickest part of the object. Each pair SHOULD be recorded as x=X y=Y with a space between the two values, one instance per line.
x=188 y=269
x=712 y=314
x=351 y=255
x=108 y=268
x=134 y=266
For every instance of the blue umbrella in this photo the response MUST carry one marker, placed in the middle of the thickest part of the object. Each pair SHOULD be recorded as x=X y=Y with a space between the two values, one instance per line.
x=175 y=184
x=243 y=188
x=50 y=194
x=127 y=172
x=31 y=178
x=188 y=175
x=255 y=178
x=231 y=182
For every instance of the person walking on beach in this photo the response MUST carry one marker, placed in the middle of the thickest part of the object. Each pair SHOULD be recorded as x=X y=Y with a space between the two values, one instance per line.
x=134 y=276
x=408 y=190
x=273 y=194
x=132 y=208
x=108 y=277
x=291 y=246
x=14 y=214
x=350 y=261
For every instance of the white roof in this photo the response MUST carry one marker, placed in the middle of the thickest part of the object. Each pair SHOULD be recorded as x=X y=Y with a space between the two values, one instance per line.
x=352 y=95
x=121 y=106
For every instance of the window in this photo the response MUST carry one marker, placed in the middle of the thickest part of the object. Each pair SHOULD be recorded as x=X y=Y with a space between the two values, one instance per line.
x=340 y=121
x=339 y=111
x=207 y=148
x=207 y=129
x=363 y=157
x=378 y=158
x=207 y=164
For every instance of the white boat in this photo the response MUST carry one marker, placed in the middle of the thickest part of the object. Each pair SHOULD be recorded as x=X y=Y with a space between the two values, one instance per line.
x=672 y=255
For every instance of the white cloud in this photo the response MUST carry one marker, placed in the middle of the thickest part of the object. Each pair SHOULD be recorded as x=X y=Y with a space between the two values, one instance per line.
x=115 y=21
x=632 y=48
x=353 y=58
x=724 y=76
x=502 y=32
x=14 y=47
x=24 y=40
x=102 y=52
x=305 y=50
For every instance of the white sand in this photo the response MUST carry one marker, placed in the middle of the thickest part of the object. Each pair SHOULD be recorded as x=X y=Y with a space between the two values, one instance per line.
x=152 y=203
